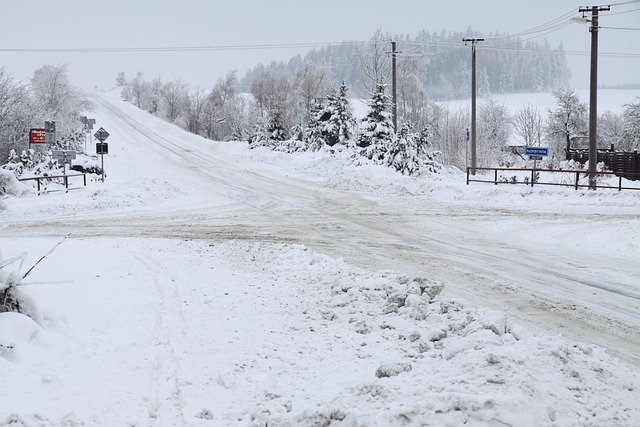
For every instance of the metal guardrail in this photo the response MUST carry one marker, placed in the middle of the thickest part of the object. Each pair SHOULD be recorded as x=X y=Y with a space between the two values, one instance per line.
x=532 y=179
x=65 y=177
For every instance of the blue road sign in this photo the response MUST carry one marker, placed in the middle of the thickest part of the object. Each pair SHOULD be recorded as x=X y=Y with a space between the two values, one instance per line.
x=536 y=151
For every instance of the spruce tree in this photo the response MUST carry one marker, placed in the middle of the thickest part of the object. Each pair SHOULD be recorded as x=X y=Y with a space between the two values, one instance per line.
x=376 y=129
x=403 y=152
x=338 y=128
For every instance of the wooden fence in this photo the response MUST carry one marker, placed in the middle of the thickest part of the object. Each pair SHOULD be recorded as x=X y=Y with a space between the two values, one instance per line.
x=64 y=177
x=532 y=177
x=621 y=162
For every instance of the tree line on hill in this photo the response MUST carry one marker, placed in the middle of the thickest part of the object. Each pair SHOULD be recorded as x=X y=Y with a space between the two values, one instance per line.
x=303 y=110
x=438 y=64
x=306 y=109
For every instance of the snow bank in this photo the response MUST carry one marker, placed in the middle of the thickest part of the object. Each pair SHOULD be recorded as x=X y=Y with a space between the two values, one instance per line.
x=417 y=359
x=9 y=185
x=281 y=335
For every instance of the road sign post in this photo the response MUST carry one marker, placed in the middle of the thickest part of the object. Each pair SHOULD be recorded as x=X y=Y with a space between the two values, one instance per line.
x=535 y=154
x=37 y=136
x=65 y=156
x=50 y=132
x=102 y=148
x=88 y=127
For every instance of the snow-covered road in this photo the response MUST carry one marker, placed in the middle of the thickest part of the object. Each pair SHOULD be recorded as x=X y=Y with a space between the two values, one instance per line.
x=546 y=263
x=554 y=261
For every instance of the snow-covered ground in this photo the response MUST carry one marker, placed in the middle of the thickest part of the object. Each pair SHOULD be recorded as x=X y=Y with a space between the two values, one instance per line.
x=207 y=284
x=612 y=100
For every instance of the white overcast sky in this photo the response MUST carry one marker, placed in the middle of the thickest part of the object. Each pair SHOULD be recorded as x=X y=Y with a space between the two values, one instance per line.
x=72 y=24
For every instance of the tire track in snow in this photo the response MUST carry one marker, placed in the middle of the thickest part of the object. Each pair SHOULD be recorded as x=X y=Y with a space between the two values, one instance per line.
x=166 y=403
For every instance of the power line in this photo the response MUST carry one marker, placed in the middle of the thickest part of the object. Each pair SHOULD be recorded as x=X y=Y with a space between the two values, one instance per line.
x=622 y=13
x=621 y=28
x=624 y=2
x=177 y=48
x=547 y=27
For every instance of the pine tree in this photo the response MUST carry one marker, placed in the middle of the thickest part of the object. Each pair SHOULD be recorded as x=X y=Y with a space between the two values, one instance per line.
x=339 y=122
x=410 y=154
x=403 y=152
x=275 y=129
x=313 y=135
x=376 y=129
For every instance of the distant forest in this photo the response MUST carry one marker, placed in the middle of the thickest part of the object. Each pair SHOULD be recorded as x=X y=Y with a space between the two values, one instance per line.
x=439 y=63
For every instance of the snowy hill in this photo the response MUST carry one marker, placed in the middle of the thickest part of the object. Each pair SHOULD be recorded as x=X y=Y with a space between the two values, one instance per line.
x=204 y=283
x=608 y=100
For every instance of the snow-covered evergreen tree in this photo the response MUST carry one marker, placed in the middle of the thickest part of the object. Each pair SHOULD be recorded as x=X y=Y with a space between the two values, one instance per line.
x=376 y=129
x=269 y=132
x=403 y=152
x=336 y=119
x=275 y=128
x=409 y=153
x=313 y=135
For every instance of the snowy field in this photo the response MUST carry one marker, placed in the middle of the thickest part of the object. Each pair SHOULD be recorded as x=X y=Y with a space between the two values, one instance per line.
x=205 y=284
x=612 y=100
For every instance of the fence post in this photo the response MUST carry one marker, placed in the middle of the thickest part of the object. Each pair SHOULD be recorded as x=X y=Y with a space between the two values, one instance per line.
x=577 y=179
x=84 y=178
x=496 y=177
x=532 y=176
x=467 y=175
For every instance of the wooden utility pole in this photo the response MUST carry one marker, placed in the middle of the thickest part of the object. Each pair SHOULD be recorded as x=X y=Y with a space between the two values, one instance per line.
x=473 y=41
x=394 y=91
x=593 y=92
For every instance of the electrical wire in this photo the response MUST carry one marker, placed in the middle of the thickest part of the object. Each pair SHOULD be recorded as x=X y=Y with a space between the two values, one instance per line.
x=622 y=13
x=175 y=48
x=545 y=28
x=620 y=28
x=624 y=2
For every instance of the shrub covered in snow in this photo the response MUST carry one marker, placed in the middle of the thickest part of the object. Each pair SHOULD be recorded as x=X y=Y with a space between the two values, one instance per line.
x=9 y=184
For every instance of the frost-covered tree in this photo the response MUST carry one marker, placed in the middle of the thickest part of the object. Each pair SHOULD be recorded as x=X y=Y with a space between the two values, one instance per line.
x=276 y=92
x=527 y=123
x=566 y=124
x=493 y=132
x=611 y=131
x=60 y=102
x=376 y=128
x=336 y=119
x=194 y=112
x=312 y=82
x=226 y=110
x=631 y=131
x=450 y=135
x=173 y=96
x=18 y=113
x=375 y=64
x=413 y=105
x=139 y=90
